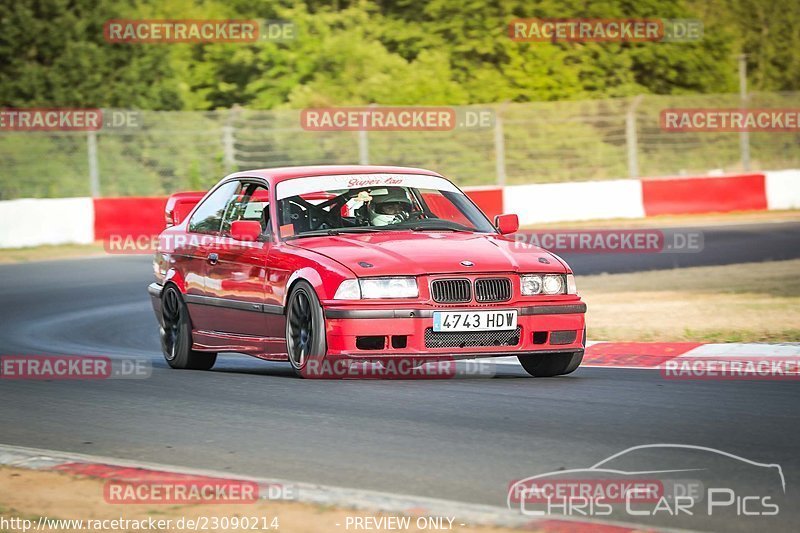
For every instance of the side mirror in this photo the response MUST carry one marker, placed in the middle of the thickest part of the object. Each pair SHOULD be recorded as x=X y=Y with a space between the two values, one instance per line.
x=506 y=224
x=245 y=230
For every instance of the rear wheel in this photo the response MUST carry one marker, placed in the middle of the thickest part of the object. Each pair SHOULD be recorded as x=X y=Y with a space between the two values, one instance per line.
x=305 y=332
x=176 y=334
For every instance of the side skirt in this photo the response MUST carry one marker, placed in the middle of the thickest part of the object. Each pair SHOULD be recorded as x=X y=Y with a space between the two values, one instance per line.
x=268 y=348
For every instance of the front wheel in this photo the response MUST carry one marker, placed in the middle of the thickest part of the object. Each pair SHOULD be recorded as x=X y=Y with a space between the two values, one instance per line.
x=305 y=332
x=549 y=365
x=176 y=334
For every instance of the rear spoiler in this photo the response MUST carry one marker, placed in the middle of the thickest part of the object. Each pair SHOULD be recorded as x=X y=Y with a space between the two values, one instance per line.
x=179 y=205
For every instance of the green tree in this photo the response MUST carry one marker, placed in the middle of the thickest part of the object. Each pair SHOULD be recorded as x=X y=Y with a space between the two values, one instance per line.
x=53 y=53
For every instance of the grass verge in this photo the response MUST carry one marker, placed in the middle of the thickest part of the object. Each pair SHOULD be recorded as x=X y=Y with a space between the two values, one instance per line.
x=50 y=253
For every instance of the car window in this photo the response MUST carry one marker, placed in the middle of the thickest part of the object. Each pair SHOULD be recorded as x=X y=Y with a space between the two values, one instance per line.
x=441 y=207
x=208 y=216
x=377 y=202
x=250 y=203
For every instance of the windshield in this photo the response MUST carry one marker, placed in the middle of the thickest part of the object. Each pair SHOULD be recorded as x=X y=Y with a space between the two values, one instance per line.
x=329 y=205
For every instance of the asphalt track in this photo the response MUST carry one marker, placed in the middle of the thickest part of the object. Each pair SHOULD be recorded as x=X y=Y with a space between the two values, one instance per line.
x=464 y=439
x=722 y=245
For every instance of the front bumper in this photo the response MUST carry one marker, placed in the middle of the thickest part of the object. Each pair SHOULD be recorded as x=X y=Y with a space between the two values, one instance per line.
x=557 y=328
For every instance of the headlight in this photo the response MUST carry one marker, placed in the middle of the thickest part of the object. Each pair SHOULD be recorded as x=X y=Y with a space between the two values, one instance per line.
x=553 y=284
x=389 y=288
x=531 y=284
x=376 y=288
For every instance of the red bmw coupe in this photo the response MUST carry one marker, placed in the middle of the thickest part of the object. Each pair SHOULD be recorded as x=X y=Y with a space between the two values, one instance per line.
x=349 y=263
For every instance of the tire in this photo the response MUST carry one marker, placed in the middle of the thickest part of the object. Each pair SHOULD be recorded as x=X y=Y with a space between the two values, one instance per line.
x=549 y=365
x=577 y=358
x=176 y=334
x=305 y=332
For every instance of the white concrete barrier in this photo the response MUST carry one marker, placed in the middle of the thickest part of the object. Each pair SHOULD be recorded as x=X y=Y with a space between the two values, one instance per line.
x=783 y=189
x=585 y=200
x=33 y=222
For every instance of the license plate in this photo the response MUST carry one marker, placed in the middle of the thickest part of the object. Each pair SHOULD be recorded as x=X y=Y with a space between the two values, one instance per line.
x=474 y=320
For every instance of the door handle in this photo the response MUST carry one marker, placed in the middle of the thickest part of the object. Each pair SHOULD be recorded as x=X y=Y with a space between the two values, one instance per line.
x=213 y=258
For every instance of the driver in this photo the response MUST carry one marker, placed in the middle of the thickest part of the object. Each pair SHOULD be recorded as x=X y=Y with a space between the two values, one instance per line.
x=390 y=208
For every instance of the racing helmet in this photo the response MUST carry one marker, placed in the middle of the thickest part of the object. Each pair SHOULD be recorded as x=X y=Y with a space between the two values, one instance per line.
x=390 y=208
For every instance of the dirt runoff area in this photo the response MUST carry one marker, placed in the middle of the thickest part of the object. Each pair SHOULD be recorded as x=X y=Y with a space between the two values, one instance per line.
x=42 y=501
x=749 y=302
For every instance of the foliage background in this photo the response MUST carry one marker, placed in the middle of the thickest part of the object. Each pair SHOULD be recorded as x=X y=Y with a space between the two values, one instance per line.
x=52 y=52
x=567 y=100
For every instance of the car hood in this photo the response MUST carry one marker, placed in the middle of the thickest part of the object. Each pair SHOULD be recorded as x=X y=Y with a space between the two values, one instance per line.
x=419 y=253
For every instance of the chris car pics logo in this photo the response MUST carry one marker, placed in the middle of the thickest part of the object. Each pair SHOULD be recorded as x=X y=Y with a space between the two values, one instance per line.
x=655 y=480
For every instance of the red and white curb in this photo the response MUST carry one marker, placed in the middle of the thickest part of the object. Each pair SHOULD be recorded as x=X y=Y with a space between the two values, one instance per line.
x=120 y=470
x=654 y=355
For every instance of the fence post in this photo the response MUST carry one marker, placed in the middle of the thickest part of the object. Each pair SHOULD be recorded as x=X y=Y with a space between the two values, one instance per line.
x=94 y=172
x=631 y=141
x=228 y=148
x=499 y=149
x=363 y=148
x=744 y=135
